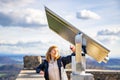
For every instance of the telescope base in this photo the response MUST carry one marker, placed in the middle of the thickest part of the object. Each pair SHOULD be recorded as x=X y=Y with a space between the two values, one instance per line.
x=85 y=76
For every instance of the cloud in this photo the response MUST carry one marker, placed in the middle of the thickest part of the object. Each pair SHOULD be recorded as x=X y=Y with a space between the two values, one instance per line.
x=19 y=40
x=21 y=44
x=87 y=14
x=5 y=19
x=115 y=32
x=10 y=4
x=31 y=48
x=109 y=36
x=24 y=17
x=108 y=39
x=23 y=48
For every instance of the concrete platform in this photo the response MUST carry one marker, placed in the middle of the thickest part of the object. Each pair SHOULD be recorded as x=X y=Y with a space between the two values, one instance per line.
x=98 y=74
x=29 y=75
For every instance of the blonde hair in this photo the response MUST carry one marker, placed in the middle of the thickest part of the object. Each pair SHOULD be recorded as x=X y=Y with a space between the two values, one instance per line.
x=48 y=55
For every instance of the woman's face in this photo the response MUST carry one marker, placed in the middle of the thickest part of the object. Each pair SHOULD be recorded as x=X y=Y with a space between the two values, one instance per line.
x=54 y=52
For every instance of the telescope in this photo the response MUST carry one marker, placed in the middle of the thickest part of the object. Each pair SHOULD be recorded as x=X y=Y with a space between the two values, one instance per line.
x=84 y=44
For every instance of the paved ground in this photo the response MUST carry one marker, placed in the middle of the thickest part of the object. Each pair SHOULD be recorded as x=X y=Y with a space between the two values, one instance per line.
x=29 y=75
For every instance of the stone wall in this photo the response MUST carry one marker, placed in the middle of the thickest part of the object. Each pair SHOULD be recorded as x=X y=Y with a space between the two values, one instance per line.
x=106 y=74
x=102 y=74
x=31 y=62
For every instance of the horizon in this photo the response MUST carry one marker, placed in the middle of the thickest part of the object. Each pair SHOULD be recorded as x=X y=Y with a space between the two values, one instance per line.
x=22 y=55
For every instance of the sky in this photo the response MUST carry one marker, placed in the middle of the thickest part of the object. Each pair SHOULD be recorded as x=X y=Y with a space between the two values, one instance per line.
x=24 y=28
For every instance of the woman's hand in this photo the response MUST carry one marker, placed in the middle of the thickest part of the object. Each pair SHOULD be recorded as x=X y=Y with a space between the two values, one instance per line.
x=41 y=72
x=72 y=48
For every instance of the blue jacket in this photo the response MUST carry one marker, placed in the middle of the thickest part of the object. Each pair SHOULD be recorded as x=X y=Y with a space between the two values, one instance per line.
x=62 y=61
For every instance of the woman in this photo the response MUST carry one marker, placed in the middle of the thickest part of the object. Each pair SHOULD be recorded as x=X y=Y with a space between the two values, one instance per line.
x=53 y=64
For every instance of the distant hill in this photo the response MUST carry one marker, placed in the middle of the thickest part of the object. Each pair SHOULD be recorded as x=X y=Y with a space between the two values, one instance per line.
x=8 y=60
x=113 y=64
x=11 y=67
